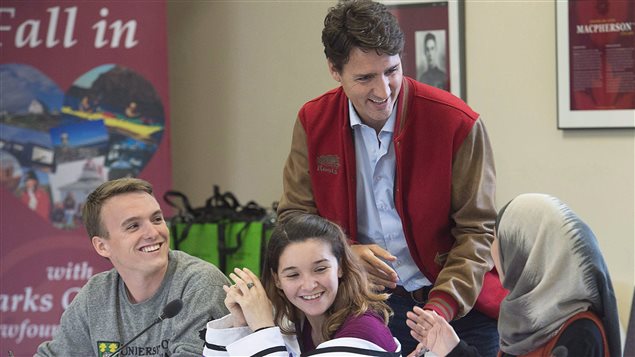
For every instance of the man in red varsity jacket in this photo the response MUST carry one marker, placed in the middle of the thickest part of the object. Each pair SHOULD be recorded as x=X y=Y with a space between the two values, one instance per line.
x=407 y=170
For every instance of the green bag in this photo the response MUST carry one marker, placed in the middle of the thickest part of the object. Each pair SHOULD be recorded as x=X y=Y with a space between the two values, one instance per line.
x=227 y=245
x=223 y=232
x=245 y=243
x=201 y=240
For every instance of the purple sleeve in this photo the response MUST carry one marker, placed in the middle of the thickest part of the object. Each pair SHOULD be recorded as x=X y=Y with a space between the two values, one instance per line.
x=368 y=327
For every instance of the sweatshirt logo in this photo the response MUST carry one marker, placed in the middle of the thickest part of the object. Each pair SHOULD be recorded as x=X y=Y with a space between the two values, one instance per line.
x=328 y=163
x=106 y=348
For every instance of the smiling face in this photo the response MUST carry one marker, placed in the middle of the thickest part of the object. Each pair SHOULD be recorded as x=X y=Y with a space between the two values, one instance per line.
x=372 y=82
x=308 y=274
x=137 y=241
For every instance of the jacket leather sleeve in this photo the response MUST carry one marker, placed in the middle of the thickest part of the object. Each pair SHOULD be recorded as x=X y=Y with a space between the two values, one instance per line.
x=297 y=195
x=474 y=215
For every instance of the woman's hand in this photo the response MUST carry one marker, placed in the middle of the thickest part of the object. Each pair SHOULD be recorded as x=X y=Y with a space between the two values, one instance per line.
x=432 y=332
x=252 y=299
x=238 y=318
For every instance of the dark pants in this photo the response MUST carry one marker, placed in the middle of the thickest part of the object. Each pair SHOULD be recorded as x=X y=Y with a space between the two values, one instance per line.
x=475 y=328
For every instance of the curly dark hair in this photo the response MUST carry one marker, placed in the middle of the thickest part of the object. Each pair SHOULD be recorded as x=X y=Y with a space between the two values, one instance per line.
x=365 y=24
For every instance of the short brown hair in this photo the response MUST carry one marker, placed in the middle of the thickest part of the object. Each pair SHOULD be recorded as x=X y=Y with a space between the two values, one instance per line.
x=354 y=296
x=360 y=23
x=91 y=212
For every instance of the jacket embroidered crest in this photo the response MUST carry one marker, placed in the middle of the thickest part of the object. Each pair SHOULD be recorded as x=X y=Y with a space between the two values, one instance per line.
x=328 y=163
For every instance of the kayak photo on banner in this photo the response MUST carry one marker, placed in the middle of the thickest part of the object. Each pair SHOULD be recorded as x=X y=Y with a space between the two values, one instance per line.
x=80 y=104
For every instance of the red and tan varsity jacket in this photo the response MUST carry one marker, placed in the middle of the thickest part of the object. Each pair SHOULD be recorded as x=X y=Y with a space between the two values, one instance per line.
x=444 y=188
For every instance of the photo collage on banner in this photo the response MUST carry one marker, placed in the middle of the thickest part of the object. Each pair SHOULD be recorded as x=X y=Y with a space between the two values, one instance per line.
x=83 y=99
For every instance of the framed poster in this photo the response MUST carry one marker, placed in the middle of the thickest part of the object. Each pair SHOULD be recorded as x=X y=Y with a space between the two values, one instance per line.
x=434 y=51
x=596 y=64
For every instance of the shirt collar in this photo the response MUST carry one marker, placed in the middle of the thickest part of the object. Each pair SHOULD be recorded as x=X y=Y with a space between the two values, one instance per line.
x=355 y=120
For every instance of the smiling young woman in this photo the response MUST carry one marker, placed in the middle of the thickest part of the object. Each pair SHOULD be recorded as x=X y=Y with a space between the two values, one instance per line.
x=314 y=297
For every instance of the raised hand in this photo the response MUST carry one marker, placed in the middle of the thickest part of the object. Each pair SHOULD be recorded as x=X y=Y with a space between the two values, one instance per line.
x=252 y=299
x=432 y=331
x=238 y=318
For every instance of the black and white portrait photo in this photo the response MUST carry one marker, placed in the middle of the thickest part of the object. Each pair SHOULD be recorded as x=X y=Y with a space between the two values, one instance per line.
x=431 y=58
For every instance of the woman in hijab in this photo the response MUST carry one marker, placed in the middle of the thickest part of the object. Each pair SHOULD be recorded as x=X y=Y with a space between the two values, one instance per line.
x=560 y=302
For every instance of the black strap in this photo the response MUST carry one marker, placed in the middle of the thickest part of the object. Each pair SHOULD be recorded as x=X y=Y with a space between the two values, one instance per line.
x=239 y=237
x=263 y=246
x=225 y=204
x=222 y=256
x=347 y=349
x=185 y=206
x=177 y=237
x=215 y=347
x=261 y=353
x=263 y=328
x=269 y=351
x=174 y=234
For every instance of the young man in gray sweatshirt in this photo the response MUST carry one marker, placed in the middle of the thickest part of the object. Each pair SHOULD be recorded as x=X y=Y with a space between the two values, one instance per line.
x=126 y=226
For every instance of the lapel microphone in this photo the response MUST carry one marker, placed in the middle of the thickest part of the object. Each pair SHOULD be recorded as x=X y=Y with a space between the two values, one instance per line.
x=169 y=311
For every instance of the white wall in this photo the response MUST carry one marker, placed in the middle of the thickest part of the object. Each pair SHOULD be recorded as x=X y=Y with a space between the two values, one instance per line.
x=239 y=72
x=511 y=79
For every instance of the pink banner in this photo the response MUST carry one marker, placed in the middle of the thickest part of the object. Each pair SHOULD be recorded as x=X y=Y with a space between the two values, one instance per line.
x=83 y=99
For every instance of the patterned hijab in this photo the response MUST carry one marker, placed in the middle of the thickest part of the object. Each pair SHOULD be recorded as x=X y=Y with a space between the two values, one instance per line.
x=553 y=269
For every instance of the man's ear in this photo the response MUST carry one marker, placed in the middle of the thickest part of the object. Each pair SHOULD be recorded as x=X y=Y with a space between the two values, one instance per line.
x=334 y=72
x=101 y=246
